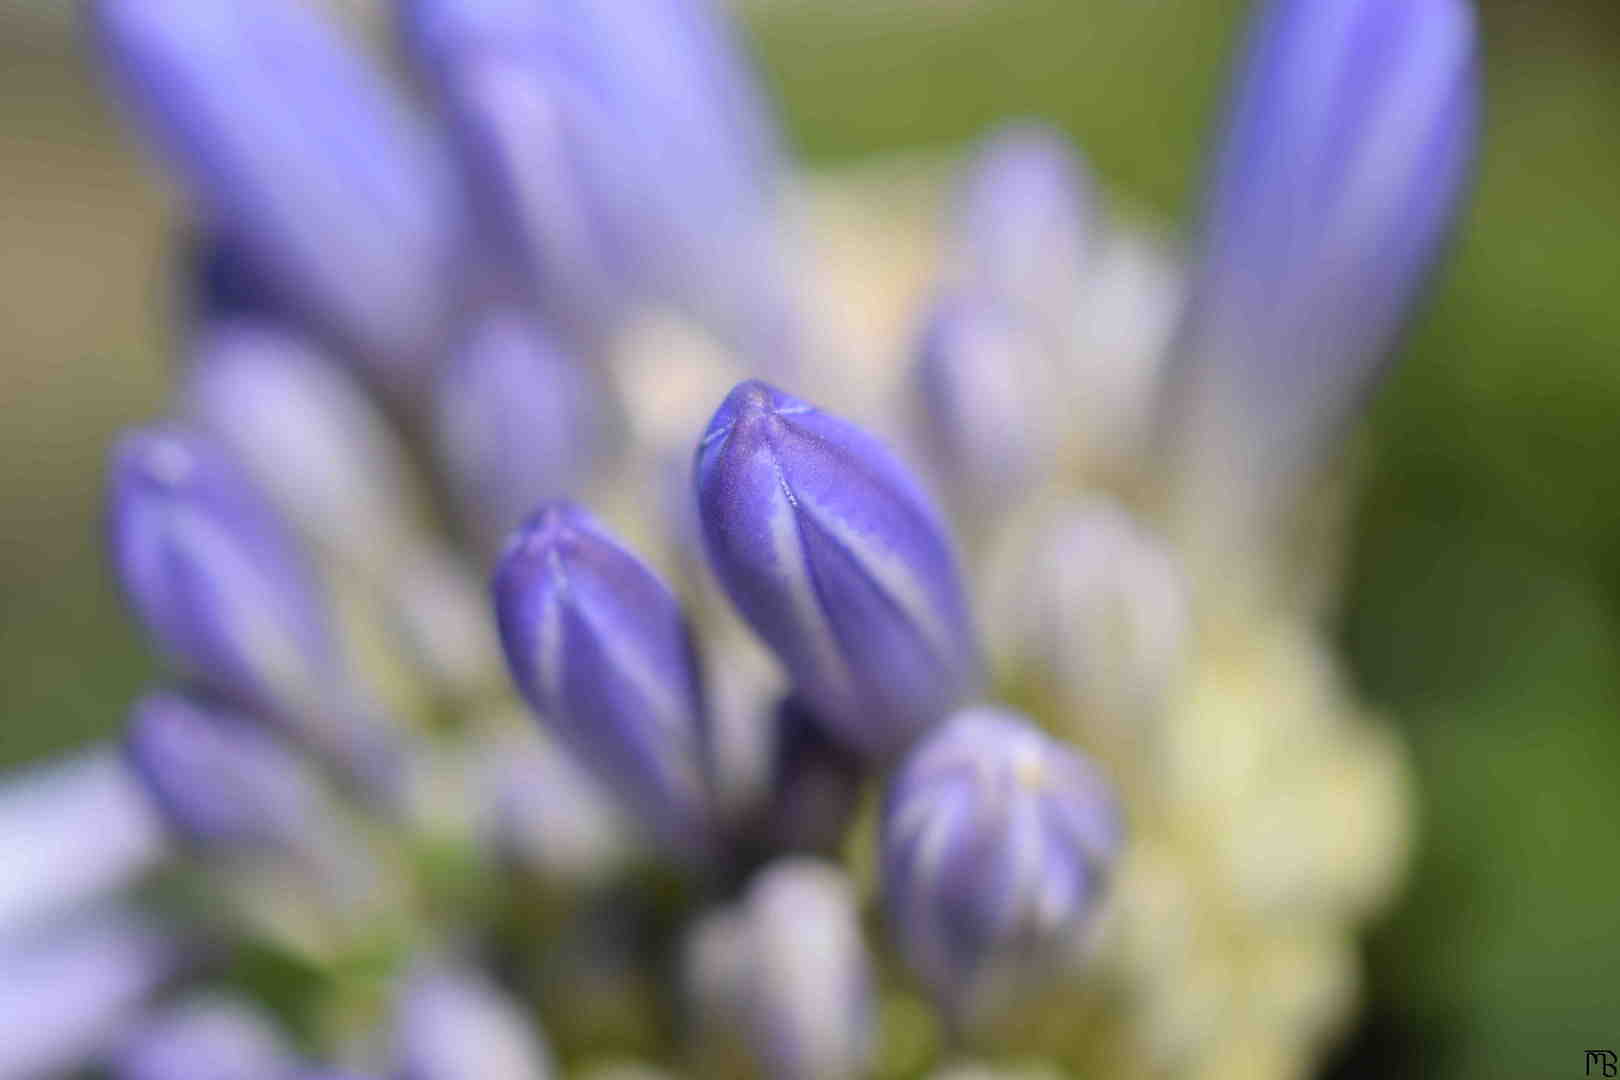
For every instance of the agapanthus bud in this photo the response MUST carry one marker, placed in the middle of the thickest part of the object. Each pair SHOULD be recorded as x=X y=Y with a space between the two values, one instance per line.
x=536 y=149
x=1086 y=602
x=986 y=404
x=836 y=557
x=293 y=146
x=312 y=440
x=454 y=1024
x=1027 y=222
x=520 y=422
x=599 y=647
x=66 y=995
x=996 y=840
x=221 y=587
x=809 y=986
x=219 y=780
x=213 y=1038
x=71 y=831
x=1348 y=148
x=619 y=145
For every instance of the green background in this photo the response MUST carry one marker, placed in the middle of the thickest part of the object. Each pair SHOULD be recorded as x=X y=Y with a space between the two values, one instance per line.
x=1486 y=579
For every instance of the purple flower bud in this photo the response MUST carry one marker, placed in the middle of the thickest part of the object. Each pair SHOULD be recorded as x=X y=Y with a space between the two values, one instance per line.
x=1027 y=223
x=599 y=647
x=221 y=587
x=220 y=780
x=451 y=1024
x=808 y=988
x=619 y=145
x=205 y=1039
x=985 y=394
x=312 y=440
x=520 y=422
x=71 y=831
x=1348 y=148
x=295 y=147
x=836 y=557
x=537 y=148
x=995 y=843
x=65 y=997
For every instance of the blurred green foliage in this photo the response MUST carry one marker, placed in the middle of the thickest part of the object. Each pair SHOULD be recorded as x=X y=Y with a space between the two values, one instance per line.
x=1486 y=583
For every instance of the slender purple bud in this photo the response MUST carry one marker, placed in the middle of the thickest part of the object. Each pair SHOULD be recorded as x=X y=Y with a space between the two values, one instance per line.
x=66 y=996
x=309 y=435
x=452 y=1024
x=809 y=984
x=599 y=647
x=295 y=147
x=520 y=422
x=1027 y=224
x=537 y=148
x=986 y=404
x=219 y=780
x=206 y=1039
x=71 y=831
x=836 y=557
x=1347 y=151
x=996 y=840
x=222 y=588
x=618 y=144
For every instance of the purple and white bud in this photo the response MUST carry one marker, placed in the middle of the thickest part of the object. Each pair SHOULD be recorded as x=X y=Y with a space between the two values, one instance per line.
x=223 y=589
x=66 y=995
x=809 y=987
x=220 y=780
x=1027 y=221
x=986 y=396
x=602 y=652
x=618 y=146
x=289 y=142
x=835 y=556
x=537 y=149
x=996 y=843
x=454 y=1024
x=309 y=435
x=1348 y=149
x=72 y=831
x=206 y=1039
x=520 y=422
x=1089 y=605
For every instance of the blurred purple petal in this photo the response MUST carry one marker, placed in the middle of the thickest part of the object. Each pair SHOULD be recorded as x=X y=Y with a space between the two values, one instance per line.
x=70 y=831
x=520 y=422
x=292 y=144
x=1348 y=148
x=213 y=1038
x=809 y=985
x=836 y=557
x=454 y=1024
x=1027 y=224
x=66 y=995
